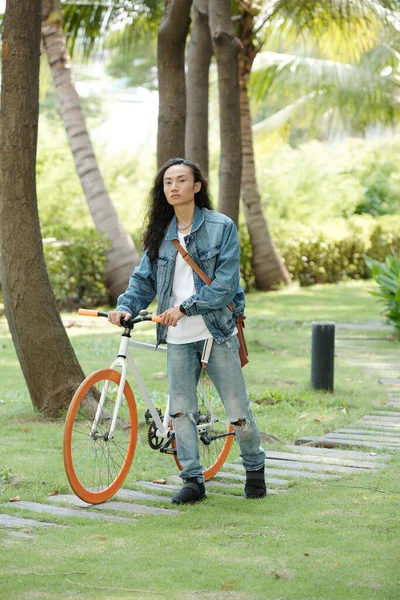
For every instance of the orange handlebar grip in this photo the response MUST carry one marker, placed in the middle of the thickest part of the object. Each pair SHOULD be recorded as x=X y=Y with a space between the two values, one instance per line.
x=156 y=319
x=88 y=313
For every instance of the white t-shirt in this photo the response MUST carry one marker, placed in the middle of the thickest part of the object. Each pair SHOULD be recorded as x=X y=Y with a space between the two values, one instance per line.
x=188 y=329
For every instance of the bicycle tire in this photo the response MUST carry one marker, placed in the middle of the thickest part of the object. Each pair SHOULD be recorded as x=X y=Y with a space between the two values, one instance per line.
x=214 y=453
x=97 y=467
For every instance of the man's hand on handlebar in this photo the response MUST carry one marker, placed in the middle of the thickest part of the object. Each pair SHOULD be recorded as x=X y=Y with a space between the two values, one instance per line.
x=115 y=316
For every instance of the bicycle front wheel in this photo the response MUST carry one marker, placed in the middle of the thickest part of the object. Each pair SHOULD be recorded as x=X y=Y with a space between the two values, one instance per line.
x=96 y=464
x=216 y=434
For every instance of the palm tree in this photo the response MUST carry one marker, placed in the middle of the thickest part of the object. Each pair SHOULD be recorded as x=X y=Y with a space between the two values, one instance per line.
x=47 y=359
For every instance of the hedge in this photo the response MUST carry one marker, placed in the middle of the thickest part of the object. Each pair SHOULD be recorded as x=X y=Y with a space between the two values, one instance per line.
x=313 y=255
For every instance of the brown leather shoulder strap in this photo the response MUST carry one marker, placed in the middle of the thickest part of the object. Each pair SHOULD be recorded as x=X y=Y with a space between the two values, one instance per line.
x=186 y=256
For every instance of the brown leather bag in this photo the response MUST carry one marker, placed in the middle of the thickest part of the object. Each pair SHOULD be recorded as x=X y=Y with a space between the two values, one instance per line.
x=243 y=352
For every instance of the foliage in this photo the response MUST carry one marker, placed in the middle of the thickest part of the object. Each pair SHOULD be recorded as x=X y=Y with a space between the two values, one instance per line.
x=136 y=63
x=75 y=262
x=380 y=179
x=326 y=254
x=316 y=181
x=246 y=271
x=387 y=275
x=86 y=24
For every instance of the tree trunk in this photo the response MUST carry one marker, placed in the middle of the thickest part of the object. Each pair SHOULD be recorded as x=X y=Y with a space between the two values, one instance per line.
x=198 y=66
x=48 y=362
x=172 y=34
x=267 y=265
x=226 y=48
x=122 y=256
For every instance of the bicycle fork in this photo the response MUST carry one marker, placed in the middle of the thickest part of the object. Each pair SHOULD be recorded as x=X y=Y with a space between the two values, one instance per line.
x=121 y=363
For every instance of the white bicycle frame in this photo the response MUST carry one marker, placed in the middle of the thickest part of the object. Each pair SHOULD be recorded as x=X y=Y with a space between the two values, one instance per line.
x=124 y=358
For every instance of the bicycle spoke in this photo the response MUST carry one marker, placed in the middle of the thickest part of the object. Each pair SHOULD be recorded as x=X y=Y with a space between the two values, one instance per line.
x=96 y=465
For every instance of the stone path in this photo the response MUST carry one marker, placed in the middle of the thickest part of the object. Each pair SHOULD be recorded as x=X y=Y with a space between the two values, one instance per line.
x=362 y=447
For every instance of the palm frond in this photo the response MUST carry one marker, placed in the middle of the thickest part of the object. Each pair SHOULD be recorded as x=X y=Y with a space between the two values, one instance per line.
x=281 y=117
x=89 y=23
x=344 y=96
x=274 y=68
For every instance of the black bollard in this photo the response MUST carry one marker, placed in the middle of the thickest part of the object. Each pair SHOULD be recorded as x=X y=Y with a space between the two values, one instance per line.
x=322 y=355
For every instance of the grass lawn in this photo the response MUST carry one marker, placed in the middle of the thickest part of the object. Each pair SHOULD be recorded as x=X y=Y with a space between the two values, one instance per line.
x=335 y=540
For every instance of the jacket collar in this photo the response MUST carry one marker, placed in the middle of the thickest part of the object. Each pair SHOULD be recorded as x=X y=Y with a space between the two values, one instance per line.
x=198 y=218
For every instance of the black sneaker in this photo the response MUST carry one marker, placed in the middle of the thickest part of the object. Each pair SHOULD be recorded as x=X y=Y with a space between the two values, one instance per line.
x=255 y=486
x=191 y=492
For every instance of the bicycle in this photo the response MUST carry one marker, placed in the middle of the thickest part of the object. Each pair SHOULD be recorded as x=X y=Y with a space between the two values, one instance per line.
x=101 y=426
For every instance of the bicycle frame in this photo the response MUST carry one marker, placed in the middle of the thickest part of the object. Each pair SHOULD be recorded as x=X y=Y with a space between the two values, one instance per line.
x=125 y=360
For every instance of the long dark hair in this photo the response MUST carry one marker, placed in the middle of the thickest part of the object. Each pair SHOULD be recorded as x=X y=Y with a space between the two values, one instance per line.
x=160 y=213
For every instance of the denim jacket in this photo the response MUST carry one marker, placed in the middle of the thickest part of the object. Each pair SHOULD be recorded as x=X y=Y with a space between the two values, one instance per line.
x=213 y=244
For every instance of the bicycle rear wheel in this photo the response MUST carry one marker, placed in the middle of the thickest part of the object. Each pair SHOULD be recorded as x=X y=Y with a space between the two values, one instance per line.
x=217 y=435
x=97 y=466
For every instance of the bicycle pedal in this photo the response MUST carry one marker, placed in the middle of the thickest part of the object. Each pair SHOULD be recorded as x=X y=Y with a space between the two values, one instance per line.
x=168 y=451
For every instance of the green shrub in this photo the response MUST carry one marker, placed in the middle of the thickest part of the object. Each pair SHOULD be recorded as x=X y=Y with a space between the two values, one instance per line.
x=329 y=253
x=248 y=279
x=75 y=262
x=387 y=275
x=381 y=182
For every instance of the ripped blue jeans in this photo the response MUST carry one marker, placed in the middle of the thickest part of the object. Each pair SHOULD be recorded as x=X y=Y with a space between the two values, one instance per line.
x=184 y=367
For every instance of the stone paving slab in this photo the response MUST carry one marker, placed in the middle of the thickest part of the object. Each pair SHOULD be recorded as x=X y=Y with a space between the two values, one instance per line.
x=158 y=486
x=377 y=419
x=11 y=521
x=271 y=457
x=371 y=433
x=385 y=411
x=345 y=442
x=215 y=483
x=390 y=381
x=378 y=425
x=114 y=505
x=240 y=479
x=288 y=472
x=393 y=441
x=66 y=512
x=372 y=364
x=125 y=494
x=317 y=467
x=336 y=452
x=383 y=418
x=365 y=326
x=21 y=534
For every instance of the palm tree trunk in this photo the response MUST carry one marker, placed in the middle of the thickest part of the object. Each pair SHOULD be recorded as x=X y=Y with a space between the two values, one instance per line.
x=268 y=268
x=267 y=265
x=198 y=66
x=226 y=48
x=172 y=34
x=122 y=256
x=48 y=362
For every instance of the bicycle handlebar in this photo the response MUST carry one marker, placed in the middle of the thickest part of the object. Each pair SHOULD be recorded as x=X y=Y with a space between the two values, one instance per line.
x=97 y=313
